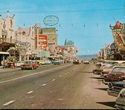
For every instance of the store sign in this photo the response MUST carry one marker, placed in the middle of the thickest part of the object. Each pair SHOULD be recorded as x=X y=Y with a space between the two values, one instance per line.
x=51 y=20
x=26 y=44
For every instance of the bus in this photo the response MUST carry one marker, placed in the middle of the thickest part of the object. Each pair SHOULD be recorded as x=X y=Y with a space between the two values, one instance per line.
x=3 y=56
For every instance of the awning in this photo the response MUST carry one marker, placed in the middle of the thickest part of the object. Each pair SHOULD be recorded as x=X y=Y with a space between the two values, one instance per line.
x=7 y=53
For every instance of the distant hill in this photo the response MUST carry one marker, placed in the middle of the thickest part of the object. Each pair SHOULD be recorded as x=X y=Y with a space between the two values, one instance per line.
x=86 y=57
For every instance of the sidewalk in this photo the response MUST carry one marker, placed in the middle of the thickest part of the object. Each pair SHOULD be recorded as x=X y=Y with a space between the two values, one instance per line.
x=8 y=69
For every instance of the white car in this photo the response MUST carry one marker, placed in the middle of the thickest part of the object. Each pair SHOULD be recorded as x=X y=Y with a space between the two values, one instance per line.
x=86 y=62
x=19 y=63
x=47 y=62
x=120 y=101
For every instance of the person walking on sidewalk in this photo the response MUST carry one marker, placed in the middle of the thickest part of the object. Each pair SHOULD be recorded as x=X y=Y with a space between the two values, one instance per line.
x=3 y=63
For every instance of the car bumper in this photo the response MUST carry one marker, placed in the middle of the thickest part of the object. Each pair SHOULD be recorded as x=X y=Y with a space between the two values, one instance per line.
x=97 y=72
x=101 y=76
x=120 y=106
x=112 y=92
x=26 y=67
x=105 y=82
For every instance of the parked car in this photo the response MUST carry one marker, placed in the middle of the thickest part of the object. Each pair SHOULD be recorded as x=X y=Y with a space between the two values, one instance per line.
x=98 y=69
x=117 y=74
x=29 y=65
x=106 y=70
x=19 y=63
x=120 y=101
x=115 y=88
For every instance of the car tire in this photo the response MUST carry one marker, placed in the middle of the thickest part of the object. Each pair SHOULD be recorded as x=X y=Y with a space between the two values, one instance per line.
x=32 y=68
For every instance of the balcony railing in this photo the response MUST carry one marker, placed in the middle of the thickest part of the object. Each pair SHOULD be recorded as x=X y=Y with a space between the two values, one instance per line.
x=8 y=40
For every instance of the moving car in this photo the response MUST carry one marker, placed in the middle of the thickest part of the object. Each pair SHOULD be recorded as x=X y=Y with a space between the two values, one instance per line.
x=117 y=74
x=41 y=62
x=57 y=62
x=46 y=62
x=120 y=101
x=76 y=61
x=19 y=63
x=86 y=62
x=29 y=65
x=115 y=88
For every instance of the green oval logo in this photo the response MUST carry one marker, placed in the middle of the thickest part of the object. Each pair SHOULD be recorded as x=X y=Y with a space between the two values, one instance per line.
x=51 y=20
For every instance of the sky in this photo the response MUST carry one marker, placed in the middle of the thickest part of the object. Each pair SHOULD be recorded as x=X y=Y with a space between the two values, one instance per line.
x=85 y=22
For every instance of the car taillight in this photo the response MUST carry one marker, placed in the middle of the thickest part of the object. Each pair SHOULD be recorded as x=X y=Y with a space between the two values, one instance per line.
x=123 y=76
x=110 y=85
x=122 y=95
x=105 y=76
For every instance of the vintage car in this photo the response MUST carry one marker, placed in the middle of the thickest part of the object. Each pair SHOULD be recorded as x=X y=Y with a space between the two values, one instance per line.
x=117 y=74
x=57 y=62
x=106 y=70
x=19 y=63
x=47 y=62
x=44 y=62
x=76 y=61
x=120 y=101
x=98 y=69
x=41 y=62
x=115 y=88
x=86 y=62
x=29 y=65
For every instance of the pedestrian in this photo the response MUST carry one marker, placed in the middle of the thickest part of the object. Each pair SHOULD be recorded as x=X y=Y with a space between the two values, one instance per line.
x=13 y=64
x=3 y=63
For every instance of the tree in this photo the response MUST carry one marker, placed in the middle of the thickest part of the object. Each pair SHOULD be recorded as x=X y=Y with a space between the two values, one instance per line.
x=12 y=51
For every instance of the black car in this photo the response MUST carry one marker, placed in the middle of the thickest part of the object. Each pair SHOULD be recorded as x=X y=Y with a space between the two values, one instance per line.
x=115 y=88
x=117 y=74
x=76 y=62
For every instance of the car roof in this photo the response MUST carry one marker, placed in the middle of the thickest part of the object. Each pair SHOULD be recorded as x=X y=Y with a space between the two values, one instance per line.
x=119 y=67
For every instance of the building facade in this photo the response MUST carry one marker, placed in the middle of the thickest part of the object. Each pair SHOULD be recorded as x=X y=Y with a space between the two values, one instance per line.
x=7 y=36
x=42 y=41
x=70 y=50
x=52 y=35
x=25 y=41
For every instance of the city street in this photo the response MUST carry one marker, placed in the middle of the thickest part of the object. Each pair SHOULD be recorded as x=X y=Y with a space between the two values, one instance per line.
x=54 y=86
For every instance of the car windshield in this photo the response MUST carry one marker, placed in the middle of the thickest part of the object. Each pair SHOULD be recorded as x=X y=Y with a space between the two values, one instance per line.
x=27 y=62
x=108 y=67
x=118 y=70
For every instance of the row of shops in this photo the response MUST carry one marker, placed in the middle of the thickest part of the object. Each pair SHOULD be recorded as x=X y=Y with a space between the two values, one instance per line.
x=115 y=50
x=30 y=43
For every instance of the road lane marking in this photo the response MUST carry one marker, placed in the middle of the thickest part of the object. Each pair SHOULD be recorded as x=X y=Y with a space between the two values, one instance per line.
x=34 y=74
x=53 y=79
x=8 y=103
x=44 y=85
x=60 y=99
x=29 y=92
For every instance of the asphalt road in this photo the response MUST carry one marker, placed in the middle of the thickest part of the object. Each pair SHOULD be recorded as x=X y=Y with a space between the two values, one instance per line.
x=54 y=86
